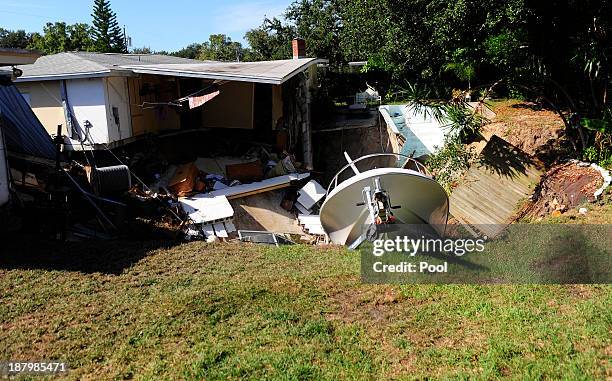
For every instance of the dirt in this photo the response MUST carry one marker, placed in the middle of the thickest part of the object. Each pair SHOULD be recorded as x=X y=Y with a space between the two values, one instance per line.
x=564 y=187
x=534 y=130
x=329 y=147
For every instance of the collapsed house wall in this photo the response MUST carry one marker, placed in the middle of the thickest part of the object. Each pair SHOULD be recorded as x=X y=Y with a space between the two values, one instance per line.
x=297 y=113
x=121 y=107
x=146 y=90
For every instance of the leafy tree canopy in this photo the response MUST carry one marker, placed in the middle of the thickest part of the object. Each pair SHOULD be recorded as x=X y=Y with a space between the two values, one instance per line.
x=220 y=47
x=14 y=38
x=58 y=37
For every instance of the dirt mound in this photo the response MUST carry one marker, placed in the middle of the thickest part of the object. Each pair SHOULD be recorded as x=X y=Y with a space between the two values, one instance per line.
x=563 y=187
x=527 y=126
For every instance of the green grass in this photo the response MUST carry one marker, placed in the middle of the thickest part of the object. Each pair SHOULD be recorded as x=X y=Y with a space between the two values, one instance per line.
x=197 y=311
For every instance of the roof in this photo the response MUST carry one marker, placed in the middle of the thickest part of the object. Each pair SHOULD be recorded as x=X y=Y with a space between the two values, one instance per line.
x=273 y=72
x=19 y=51
x=86 y=65
x=18 y=56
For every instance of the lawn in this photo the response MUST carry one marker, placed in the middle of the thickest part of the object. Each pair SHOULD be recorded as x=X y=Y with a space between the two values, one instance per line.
x=226 y=311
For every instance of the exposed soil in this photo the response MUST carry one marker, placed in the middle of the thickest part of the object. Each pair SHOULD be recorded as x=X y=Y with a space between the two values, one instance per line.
x=563 y=187
x=329 y=146
x=536 y=131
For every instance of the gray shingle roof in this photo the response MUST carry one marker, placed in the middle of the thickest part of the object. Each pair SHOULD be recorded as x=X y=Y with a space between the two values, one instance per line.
x=116 y=59
x=75 y=63
x=273 y=72
x=86 y=64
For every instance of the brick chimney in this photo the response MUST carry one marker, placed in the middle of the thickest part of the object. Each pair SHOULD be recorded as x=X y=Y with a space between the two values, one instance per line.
x=299 y=48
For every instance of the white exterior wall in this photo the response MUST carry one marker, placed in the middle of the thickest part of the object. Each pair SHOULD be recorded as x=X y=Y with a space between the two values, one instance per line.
x=4 y=184
x=117 y=97
x=87 y=98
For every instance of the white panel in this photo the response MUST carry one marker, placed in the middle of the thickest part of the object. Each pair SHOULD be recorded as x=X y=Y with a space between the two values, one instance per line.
x=118 y=98
x=207 y=209
x=310 y=194
x=88 y=102
x=4 y=187
x=426 y=129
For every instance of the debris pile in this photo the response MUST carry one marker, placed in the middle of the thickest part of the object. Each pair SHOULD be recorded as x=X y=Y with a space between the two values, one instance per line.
x=567 y=186
x=256 y=197
x=202 y=191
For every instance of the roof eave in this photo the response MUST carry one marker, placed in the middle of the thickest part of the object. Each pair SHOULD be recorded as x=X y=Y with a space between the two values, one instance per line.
x=300 y=69
x=207 y=75
x=226 y=77
x=83 y=75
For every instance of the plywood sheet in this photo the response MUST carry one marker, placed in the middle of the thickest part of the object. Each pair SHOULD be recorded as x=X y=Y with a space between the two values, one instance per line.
x=263 y=212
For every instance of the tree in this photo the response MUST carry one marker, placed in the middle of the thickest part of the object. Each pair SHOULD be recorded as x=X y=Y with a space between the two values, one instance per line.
x=271 y=40
x=143 y=50
x=79 y=36
x=220 y=47
x=58 y=37
x=190 y=51
x=365 y=28
x=14 y=38
x=316 y=21
x=319 y=22
x=107 y=35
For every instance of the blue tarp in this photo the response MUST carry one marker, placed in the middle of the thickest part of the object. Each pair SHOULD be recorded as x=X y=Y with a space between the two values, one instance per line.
x=22 y=131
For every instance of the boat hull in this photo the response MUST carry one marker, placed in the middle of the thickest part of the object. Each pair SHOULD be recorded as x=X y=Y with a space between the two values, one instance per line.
x=422 y=201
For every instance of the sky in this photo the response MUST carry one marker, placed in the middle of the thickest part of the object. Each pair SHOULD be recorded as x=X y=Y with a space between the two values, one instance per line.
x=160 y=25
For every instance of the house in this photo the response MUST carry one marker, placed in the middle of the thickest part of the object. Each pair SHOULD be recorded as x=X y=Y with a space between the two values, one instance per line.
x=104 y=99
x=16 y=56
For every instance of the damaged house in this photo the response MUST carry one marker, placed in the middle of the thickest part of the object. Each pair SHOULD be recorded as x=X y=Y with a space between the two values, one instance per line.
x=202 y=137
x=114 y=99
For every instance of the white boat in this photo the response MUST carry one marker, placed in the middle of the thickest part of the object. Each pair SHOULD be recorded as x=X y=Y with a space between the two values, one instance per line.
x=383 y=195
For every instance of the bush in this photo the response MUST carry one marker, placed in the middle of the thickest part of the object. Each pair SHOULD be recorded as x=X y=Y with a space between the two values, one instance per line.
x=450 y=162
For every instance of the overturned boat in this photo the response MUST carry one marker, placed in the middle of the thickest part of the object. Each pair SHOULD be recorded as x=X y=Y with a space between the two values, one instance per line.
x=377 y=191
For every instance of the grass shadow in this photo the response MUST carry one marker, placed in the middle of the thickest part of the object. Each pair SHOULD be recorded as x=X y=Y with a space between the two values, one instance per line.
x=108 y=257
x=572 y=258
